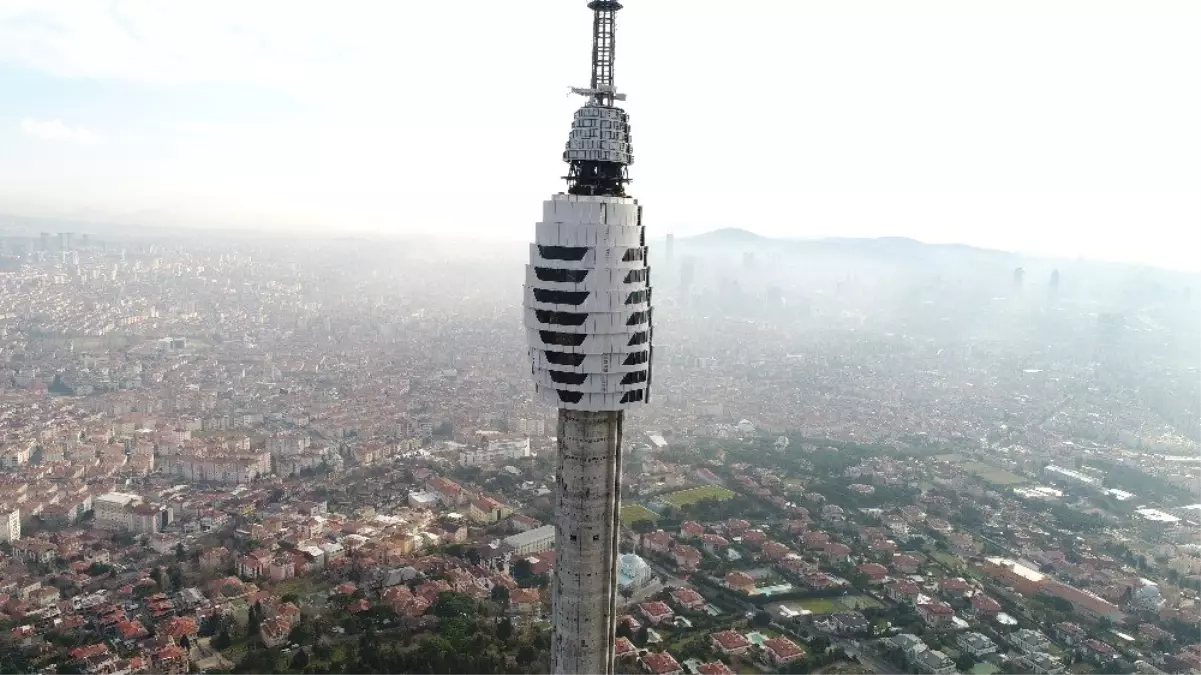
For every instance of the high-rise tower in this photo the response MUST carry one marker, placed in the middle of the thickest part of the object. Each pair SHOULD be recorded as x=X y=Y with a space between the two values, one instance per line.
x=588 y=321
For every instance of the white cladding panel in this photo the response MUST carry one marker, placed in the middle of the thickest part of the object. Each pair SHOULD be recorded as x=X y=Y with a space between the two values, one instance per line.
x=584 y=257
x=591 y=280
x=616 y=343
x=587 y=301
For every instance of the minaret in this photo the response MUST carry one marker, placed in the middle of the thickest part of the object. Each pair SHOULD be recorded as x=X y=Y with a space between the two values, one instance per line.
x=588 y=322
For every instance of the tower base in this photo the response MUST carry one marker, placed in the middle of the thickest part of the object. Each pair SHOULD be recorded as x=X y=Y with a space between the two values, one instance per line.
x=587 y=512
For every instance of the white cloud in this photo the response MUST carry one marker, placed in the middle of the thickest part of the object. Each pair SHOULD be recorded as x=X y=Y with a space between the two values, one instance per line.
x=55 y=130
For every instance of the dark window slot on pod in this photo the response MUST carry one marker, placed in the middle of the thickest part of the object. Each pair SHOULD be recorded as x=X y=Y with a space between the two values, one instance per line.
x=638 y=338
x=637 y=297
x=636 y=358
x=636 y=377
x=635 y=319
x=570 y=397
x=551 y=337
x=560 y=377
x=563 y=359
x=560 y=276
x=632 y=396
x=636 y=276
x=561 y=318
x=568 y=253
x=573 y=298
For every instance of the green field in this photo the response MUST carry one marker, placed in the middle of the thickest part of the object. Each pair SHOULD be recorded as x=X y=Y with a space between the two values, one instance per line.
x=992 y=474
x=818 y=605
x=633 y=513
x=697 y=494
x=859 y=602
x=831 y=605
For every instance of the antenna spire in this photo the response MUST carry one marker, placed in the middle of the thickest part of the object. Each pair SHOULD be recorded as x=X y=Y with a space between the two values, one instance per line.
x=599 y=149
x=604 y=27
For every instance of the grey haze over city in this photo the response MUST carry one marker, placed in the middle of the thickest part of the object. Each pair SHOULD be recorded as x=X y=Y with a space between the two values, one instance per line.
x=296 y=374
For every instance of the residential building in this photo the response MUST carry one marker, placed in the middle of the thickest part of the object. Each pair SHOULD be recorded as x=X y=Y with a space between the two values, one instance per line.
x=936 y=614
x=781 y=650
x=1041 y=663
x=975 y=644
x=730 y=642
x=688 y=558
x=485 y=509
x=622 y=647
x=934 y=662
x=661 y=663
x=1029 y=641
x=495 y=451
x=689 y=599
x=10 y=524
x=656 y=612
x=532 y=541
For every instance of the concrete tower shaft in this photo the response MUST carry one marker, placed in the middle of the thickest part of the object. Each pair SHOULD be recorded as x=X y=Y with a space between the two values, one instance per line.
x=587 y=509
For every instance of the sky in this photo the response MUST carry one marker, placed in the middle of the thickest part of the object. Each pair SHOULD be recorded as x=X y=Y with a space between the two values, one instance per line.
x=1058 y=127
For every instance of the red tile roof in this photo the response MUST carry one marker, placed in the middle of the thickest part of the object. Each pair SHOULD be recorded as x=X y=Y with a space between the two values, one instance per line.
x=730 y=640
x=687 y=596
x=655 y=609
x=783 y=648
x=660 y=663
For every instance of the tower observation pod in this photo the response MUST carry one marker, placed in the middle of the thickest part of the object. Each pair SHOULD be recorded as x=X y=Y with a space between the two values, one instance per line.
x=587 y=305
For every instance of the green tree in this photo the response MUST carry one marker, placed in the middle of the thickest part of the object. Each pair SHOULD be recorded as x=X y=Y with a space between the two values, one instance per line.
x=500 y=595
x=504 y=630
x=761 y=619
x=451 y=605
x=300 y=661
x=253 y=620
x=223 y=640
x=526 y=655
x=175 y=576
x=301 y=634
x=521 y=570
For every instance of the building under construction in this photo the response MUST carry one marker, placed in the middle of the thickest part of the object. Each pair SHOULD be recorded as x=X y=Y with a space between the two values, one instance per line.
x=588 y=319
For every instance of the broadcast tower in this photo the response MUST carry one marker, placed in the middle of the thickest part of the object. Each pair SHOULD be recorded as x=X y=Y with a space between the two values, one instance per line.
x=588 y=322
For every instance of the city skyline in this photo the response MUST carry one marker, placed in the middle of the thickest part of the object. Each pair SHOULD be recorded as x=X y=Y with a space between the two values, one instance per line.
x=1059 y=131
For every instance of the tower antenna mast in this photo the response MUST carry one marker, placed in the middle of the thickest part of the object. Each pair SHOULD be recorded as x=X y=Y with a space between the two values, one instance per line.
x=603 y=91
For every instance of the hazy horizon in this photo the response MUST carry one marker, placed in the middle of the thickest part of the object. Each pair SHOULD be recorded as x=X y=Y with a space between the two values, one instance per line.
x=1063 y=130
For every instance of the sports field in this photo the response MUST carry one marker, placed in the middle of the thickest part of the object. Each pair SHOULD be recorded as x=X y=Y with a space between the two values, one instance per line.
x=831 y=605
x=992 y=474
x=697 y=494
x=633 y=513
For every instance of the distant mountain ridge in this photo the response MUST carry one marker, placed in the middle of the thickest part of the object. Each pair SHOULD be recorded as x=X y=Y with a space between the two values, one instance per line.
x=738 y=237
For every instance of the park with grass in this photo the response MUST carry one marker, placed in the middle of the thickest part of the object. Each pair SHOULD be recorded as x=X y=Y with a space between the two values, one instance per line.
x=833 y=604
x=690 y=496
x=992 y=474
x=636 y=513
